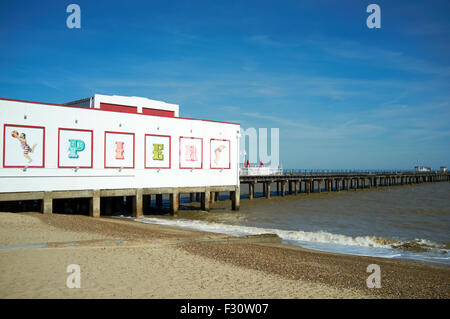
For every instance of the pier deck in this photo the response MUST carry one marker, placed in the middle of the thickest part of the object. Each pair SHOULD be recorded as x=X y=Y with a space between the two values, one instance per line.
x=287 y=184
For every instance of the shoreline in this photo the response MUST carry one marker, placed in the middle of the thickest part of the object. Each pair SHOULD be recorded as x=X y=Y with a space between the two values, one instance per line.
x=280 y=270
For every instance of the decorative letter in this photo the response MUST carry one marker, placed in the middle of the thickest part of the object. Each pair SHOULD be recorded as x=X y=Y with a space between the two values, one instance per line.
x=75 y=147
x=157 y=152
x=191 y=153
x=120 y=150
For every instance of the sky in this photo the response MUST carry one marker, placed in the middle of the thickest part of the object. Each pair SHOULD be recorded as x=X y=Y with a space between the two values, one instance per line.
x=342 y=95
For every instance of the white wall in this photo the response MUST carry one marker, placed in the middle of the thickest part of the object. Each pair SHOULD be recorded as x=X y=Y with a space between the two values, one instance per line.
x=53 y=178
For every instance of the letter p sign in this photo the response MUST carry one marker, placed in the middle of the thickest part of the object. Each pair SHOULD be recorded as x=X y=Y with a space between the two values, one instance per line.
x=75 y=146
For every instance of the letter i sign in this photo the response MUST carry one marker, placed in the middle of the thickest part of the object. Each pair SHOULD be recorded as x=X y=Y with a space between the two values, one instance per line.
x=120 y=150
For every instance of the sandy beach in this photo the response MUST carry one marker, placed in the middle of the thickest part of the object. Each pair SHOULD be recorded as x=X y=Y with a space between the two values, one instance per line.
x=125 y=259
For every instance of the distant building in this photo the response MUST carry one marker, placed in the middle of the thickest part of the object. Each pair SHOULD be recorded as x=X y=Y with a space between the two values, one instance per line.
x=422 y=169
x=443 y=169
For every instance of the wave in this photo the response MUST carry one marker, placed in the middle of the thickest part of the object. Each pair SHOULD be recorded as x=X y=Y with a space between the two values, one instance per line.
x=323 y=237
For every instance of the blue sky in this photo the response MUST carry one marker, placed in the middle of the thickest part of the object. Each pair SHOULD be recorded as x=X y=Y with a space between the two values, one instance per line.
x=343 y=95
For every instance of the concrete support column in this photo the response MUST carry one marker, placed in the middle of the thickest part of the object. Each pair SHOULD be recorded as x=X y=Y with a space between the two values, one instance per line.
x=212 y=198
x=267 y=185
x=191 y=197
x=338 y=185
x=235 y=199
x=319 y=186
x=174 y=204
x=137 y=203
x=283 y=188
x=295 y=187
x=251 y=191
x=278 y=188
x=307 y=187
x=94 y=205
x=206 y=197
x=264 y=188
x=290 y=187
x=47 y=203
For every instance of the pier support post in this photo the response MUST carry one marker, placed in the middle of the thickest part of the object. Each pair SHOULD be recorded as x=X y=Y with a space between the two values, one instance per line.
x=290 y=187
x=278 y=188
x=137 y=203
x=47 y=203
x=251 y=191
x=264 y=189
x=191 y=197
x=174 y=203
x=307 y=187
x=235 y=199
x=268 y=190
x=296 y=187
x=319 y=186
x=206 y=196
x=212 y=198
x=283 y=188
x=94 y=205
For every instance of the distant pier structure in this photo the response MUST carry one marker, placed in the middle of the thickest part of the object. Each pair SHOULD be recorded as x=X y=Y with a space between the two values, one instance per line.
x=309 y=182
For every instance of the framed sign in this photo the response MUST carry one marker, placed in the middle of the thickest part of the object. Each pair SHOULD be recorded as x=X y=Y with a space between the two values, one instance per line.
x=23 y=145
x=157 y=151
x=220 y=154
x=119 y=150
x=191 y=152
x=75 y=148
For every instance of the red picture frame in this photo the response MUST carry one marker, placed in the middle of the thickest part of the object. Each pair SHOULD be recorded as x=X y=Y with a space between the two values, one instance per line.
x=229 y=153
x=134 y=153
x=4 y=146
x=92 y=146
x=145 y=152
x=179 y=146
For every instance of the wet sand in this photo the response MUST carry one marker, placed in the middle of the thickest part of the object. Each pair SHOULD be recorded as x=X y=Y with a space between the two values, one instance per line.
x=126 y=259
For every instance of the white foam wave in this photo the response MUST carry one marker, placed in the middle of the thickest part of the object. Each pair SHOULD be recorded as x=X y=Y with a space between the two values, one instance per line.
x=290 y=235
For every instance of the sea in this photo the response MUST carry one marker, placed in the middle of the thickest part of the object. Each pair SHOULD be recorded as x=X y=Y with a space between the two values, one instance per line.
x=406 y=222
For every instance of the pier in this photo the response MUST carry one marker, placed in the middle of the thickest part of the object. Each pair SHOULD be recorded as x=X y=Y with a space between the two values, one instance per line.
x=141 y=200
x=307 y=183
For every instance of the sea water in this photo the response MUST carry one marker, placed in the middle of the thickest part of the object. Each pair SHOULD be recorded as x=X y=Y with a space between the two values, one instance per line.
x=410 y=222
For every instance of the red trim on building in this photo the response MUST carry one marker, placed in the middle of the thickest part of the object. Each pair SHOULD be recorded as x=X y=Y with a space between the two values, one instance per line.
x=210 y=153
x=156 y=112
x=118 y=108
x=145 y=151
x=92 y=146
x=179 y=146
x=4 y=145
x=104 y=150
